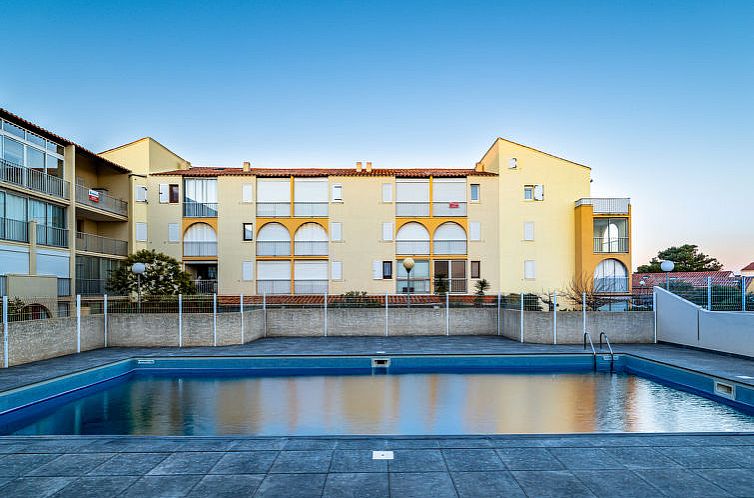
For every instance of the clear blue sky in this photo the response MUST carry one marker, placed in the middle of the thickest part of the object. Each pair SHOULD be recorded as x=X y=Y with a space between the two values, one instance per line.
x=658 y=97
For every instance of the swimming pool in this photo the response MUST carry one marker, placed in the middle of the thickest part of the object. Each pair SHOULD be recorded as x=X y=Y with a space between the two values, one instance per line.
x=402 y=395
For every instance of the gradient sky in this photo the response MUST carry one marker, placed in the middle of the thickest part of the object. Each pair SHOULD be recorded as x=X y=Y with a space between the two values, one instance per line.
x=658 y=97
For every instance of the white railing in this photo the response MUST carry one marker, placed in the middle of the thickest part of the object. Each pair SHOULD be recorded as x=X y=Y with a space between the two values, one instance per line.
x=34 y=179
x=273 y=209
x=96 y=243
x=607 y=205
x=193 y=209
x=100 y=200
x=411 y=209
x=310 y=286
x=52 y=236
x=310 y=209
x=310 y=248
x=195 y=248
x=205 y=286
x=412 y=247
x=603 y=245
x=273 y=287
x=450 y=247
x=273 y=248
x=448 y=209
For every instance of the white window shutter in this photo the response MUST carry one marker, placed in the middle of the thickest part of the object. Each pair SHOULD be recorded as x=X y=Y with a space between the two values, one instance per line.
x=248 y=270
x=387 y=192
x=141 y=232
x=164 y=193
x=174 y=233
x=336 y=231
x=377 y=270
x=529 y=230
x=247 y=191
x=337 y=193
x=539 y=192
x=387 y=231
x=337 y=270
x=141 y=193
x=475 y=231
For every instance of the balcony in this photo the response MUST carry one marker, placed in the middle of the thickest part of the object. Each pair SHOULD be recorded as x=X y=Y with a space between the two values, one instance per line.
x=64 y=287
x=613 y=245
x=52 y=236
x=309 y=286
x=611 y=285
x=91 y=286
x=205 y=286
x=273 y=209
x=612 y=205
x=199 y=249
x=273 y=248
x=104 y=245
x=193 y=209
x=273 y=286
x=411 y=209
x=448 y=209
x=100 y=200
x=310 y=248
x=412 y=247
x=14 y=230
x=310 y=209
x=450 y=247
x=33 y=179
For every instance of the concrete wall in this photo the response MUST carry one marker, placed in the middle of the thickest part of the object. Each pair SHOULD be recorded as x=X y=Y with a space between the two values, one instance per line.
x=36 y=340
x=146 y=329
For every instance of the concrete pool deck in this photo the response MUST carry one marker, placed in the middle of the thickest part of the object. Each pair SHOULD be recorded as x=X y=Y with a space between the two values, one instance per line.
x=720 y=464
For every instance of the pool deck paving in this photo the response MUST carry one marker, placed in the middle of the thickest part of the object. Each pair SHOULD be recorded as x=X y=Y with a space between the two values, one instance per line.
x=626 y=464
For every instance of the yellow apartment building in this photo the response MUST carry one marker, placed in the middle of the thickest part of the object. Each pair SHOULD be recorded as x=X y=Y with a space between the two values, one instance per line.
x=520 y=218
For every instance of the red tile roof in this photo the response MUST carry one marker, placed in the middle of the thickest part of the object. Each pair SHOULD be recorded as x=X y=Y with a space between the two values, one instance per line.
x=284 y=172
x=698 y=278
x=749 y=267
x=5 y=114
x=371 y=300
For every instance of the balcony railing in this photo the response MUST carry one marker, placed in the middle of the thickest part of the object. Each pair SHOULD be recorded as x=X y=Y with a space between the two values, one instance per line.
x=273 y=209
x=273 y=286
x=64 y=287
x=91 y=286
x=411 y=209
x=418 y=285
x=611 y=285
x=310 y=209
x=96 y=243
x=412 y=247
x=33 y=179
x=205 y=286
x=602 y=245
x=309 y=286
x=448 y=209
x=194 y=248
x=310 y=248
x=611 y=205
x=86 y=196
x=193 y=209
x=273 y=248
x=450 y=247
x=17 y=231
x=52 y=236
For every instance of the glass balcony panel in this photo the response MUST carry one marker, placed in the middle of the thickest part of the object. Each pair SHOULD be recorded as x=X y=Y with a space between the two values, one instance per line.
x=273 y=286
x=273 y=248
x=411 y=209
x=273 y=209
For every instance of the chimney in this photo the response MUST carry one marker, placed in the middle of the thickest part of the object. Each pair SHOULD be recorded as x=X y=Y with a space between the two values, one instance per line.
x=369 y=166
x=358 y=167
x=479 y=167
x=246 y=166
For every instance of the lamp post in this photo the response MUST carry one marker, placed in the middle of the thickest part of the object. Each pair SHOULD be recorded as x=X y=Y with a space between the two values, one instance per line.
x=408 y=264
x=667 y=266
x=138 y=269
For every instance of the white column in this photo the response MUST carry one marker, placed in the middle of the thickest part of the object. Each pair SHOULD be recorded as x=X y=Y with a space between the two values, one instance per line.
x=240 y=301
x=709 y=293
x=180 y=320
x=325 y=314
x=264 y=312
x=522 y=317
x=386 y=314
x=78 y=323
x=498 y=313
x=743 y=293
x=447 y=313
x=654 y=310
x=214 y=319
x=583 y=314
x=104 y=312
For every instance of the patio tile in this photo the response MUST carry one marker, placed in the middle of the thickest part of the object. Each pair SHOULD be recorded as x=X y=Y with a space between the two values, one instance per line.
x=186 y=463
x=129 y=464
x=397 y=444
x=227 y=486
x=371 y=444
x=742 y=455
x=291 y=486
x=311 y=461
x=478 y=484
x=528 y=459
x=71 y=464
x=423 y=484
x=19 y=464
x=417 y=461
x=259 y=444
x=245 y=462
x=356 y=485
x=623 y=483
x=34 y=487
x=56 y=445
x=96 y=487
x=472 y=459
x=700 y=457
x=586 y=458
x=641 y=458
x=310 y=444
x=355 y=461
x=464 y=443
x=680 y=483
x=548 y=484
x=162 y=486
x=738 y=482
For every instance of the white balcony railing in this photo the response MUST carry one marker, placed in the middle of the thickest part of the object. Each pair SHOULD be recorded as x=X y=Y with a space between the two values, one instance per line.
x=614 y=245
x=309 y=286
x=310 y=248
x=273 y=209
x=33 y=179
x=273 y=248
x=412 y=247
x=450 y=247
x=310 y=209
x=100 y=200
x=205 y=286
x=273 y=286
x=611 y=205
x=105 y=245
x=448 y=209
x=411 y=209
x=196 y=248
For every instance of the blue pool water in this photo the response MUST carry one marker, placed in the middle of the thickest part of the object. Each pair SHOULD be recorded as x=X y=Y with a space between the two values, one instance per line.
x=195 y=402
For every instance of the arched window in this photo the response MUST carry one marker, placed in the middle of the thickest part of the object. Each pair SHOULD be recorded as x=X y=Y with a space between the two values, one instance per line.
x=412 y=238
x=450 y=238
x=611 y=276
x=200 y=239
x=273 y=239
x=310 y=240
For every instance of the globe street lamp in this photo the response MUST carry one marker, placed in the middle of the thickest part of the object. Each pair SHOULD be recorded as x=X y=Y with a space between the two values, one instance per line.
x=667 y=266
x=138 y=269
x=408 y=264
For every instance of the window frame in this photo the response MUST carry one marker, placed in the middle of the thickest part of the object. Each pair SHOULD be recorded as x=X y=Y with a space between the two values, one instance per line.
x=475 y=265
x=387 y=275
x=478 y=188
x=244 y=231
x=174 y=193
x=530 y=190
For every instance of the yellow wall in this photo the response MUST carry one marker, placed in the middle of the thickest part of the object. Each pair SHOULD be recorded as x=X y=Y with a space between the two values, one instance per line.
x=486 y=213
x=586 y=259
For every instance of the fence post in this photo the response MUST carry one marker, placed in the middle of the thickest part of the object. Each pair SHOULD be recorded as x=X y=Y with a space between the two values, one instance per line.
x=325 y=313
x=555 y=317
x=386 y=314
x=743 y=293
x=709 y=293
x=104 y=312
x=498 y=313
x=447 y=313
x=180 y=320
x=654 y=310
x=214 y=319
x=78 y=323
x=522 y=318
x=5 y=331
x=264 y=312
x=583 y=313
x=240 y=300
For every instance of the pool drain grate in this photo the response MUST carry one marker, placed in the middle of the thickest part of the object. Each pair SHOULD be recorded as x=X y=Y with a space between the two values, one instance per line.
x=382 y=455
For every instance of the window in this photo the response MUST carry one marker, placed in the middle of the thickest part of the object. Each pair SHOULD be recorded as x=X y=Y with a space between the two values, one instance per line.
x=475 y=231
x=247 y=270
x=141 y=193
x=246 y=192
x=530 y=269
x=387 y=192
x=450 y=276
x=336 y=231
x=610 y=235
x=174 y=232
x=376 y=270
x=248 y=231
x=387 y=231
x=337 y=193
x=141 y=232
x=174 y=196
x=387 y=270
x=336 y=272
x=476 y=270
x=528 y=230
x=474 y=192
x=529 y=192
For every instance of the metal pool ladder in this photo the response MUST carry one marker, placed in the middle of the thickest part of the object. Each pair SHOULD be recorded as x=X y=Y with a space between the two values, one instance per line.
x=594 y=352
x=609 y=347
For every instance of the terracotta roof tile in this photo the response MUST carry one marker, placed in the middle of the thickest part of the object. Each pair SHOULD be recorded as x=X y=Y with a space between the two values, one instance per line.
x=698 y=278
x=749 y=267
x=314 y=172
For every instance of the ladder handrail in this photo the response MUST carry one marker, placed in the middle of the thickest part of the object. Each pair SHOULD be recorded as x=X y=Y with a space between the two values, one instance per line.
x=609 y=347
x=587 y=335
